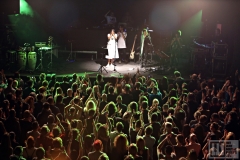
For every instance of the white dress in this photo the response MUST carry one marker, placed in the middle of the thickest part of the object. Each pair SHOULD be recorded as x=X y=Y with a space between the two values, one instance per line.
x=121 y=40
x=112 y=48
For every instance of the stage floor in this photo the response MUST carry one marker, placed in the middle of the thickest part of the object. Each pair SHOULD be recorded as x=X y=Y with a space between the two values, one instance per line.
x=61 y=68
x=80 y=66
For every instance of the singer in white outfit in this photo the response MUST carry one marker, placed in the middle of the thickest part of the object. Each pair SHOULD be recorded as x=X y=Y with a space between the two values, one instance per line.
x=122 y=35
x=112 y=48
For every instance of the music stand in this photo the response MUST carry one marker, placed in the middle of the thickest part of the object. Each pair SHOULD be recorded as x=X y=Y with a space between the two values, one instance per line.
x=50 y=43
x=102 y=67
x=40 y=45
x=71 y=56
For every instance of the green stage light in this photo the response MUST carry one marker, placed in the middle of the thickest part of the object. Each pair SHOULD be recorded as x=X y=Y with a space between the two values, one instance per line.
x=193 y=26
x=25 y=8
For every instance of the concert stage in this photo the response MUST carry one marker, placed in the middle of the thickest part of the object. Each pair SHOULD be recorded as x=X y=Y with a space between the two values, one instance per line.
x=61 y=68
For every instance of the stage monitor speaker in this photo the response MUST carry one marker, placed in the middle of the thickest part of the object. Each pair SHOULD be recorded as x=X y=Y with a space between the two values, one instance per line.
x=8 y=7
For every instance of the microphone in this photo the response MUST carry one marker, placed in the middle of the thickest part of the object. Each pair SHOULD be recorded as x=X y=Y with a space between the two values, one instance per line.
x=149 y=30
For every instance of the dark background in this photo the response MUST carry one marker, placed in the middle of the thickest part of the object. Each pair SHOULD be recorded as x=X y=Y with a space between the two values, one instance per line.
x=60 y=16
x=80 y=21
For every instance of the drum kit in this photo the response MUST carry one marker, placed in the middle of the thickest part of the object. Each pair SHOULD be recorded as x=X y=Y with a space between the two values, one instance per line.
x=24 y=57
x=27 y=58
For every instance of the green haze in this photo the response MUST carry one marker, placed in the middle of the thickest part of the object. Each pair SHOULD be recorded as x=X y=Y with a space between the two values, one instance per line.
x=25 y=8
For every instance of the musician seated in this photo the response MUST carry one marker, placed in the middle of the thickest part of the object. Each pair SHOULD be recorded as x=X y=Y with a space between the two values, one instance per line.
x=218 y=38
x=111 y=19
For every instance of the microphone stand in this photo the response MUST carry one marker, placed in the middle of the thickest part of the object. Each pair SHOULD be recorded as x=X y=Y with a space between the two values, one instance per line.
x=150 y=39
x=141 y=49
x=114 y=65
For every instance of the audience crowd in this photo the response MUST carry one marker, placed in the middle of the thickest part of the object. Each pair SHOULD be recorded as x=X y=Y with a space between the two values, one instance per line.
x=128 y=118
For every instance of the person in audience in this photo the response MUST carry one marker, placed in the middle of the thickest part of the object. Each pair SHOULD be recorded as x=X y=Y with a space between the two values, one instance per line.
x=14 y=143
x=29 y=152
x=19 y=80
x=121 y=107
x=126 y=95
x=133 y=150
x=64 y=85
x=17 y=154
x=119 y=148
x=134 y=129
x=43 y=115
x=103 y=157
x=191 y=144
x=192 y=155
x=87 y=145
x=232 y=124
x=137 y=91
x=38 y=105
x=35 y=131
x=98 y=122
x=144 y=111
x=155 y=94
x=55 y=110
x=25 y=124
x=57 y=148
x=74 y=79
x=180 y=149
x=12 y=124
x=29 y=89
x=6 y=149
x=168 y=153
x=44 y=140
x=143 y=151
x=155 y=126
x=111 y=96
x=59 y=103
x=69 y=97
x=114 y=134
x=40 y=154
x=167 y=138
x=9 y=88
x=97 y=145
x=149 y=140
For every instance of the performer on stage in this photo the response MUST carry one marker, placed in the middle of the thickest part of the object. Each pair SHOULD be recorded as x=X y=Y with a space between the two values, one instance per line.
x=218 y=38
x=112 y=48
x=144 y=45
x=176 y=45
x=111 y=19
x=122 y=35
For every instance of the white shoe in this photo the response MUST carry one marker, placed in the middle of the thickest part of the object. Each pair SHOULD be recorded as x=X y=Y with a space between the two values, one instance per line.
x=107 y=65
x=111 y=65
